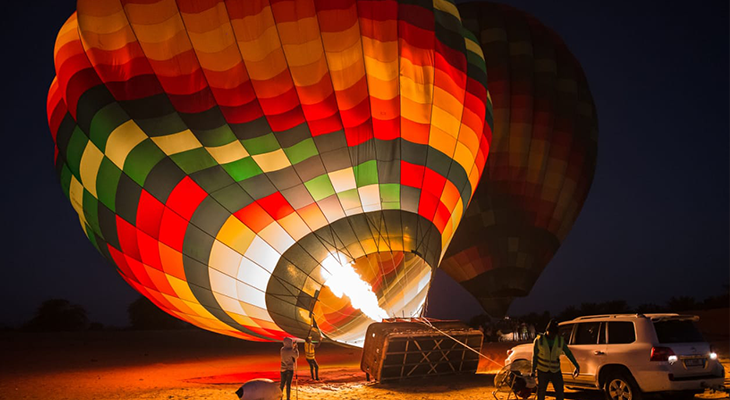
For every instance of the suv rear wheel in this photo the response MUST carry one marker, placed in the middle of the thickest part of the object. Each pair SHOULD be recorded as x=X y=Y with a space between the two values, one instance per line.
x=621 y=386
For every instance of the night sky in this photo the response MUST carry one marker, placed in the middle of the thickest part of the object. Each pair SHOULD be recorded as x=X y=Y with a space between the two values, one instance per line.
x=655 y=223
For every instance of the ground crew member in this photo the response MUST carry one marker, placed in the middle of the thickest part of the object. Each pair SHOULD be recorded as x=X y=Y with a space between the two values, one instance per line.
x=289 y=354
x=546 y=359
x=309 y=355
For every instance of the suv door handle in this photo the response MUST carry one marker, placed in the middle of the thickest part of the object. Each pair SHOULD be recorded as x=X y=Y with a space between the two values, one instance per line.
x=599 y=353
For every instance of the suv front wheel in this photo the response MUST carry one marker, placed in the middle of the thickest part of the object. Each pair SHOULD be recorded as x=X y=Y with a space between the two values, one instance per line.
x=621 y=386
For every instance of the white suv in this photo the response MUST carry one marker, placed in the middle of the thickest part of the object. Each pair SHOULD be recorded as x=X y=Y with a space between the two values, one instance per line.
x=628 y=354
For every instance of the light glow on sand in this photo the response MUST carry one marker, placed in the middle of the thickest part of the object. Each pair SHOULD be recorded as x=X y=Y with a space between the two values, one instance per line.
x=342 y=279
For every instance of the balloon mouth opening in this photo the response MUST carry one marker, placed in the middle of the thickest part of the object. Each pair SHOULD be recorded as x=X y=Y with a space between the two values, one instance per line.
x=369 y=289
x=343 y=280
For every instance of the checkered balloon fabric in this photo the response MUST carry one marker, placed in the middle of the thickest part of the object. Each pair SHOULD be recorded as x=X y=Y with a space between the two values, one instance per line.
x=223 y=154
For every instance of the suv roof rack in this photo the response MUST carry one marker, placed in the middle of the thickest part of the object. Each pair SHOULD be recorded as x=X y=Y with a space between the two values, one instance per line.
x=676 y=317
x=636 y=315
x=604 y=316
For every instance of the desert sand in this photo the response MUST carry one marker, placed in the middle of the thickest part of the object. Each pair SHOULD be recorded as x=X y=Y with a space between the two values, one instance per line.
x=194 y=364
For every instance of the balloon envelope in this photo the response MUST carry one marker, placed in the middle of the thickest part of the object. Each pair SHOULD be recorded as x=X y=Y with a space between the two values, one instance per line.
x=541 y=160
x=230 y=157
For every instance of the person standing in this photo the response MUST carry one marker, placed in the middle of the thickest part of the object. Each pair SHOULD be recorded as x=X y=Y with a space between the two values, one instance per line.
x=488 y=334
x=309 y=355
x=546 y=360
x=289 y=354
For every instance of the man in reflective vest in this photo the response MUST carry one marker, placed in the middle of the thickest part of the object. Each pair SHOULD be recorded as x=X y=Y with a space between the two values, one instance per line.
x=309 y=354
x=546 y=359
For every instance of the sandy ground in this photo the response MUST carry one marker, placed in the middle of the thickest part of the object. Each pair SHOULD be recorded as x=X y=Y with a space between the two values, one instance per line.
x=199 y=365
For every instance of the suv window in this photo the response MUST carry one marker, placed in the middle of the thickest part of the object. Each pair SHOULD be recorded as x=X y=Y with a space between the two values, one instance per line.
x=565 y=331
x=621 y=332
x=587 y=333
x=602 y=334
x=675 y=331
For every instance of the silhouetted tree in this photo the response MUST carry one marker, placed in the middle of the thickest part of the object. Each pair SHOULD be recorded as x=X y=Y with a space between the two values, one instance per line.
x=570 y=312
x=616 y=307
x=648 y=308
x=144 y=315
x=479 y=320
x=58 y=315
x=544 y=320
x=539 y=321
x=674 y=304
x=531 y=318
x=589 y=309
x=682 y=303
x=718 y=301
x=96 y=326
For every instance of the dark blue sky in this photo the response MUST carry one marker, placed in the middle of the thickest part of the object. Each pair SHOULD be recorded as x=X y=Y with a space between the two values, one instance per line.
x=655 y=224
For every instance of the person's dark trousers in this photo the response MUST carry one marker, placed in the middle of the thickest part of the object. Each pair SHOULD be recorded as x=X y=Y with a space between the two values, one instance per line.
x=313 y=368
x=543 y=378
x=286 y=377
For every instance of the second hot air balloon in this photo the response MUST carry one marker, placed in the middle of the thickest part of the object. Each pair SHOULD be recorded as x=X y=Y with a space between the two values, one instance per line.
x=541 y=160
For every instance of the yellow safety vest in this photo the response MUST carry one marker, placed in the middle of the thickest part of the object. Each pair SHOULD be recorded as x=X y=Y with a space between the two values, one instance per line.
x=548 y=359
x=309 y=351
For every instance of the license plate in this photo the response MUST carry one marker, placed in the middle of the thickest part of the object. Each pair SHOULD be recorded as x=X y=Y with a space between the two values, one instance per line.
x=694 y=362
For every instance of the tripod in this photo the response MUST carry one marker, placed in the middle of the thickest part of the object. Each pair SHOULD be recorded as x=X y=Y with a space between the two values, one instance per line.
x=296 y=378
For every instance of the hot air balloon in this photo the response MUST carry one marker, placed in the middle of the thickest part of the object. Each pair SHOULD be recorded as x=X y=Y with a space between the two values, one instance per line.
x=260 y=169
x=541 y=160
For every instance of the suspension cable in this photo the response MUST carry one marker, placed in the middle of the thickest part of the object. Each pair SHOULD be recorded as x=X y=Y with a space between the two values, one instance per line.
x=430 y=325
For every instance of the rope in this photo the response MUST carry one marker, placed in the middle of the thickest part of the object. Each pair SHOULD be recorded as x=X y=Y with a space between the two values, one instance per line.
x=430 y=325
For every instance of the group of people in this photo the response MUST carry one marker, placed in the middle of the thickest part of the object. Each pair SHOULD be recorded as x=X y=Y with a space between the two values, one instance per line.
x=547 y=349
x=508 y=331
x=289 y=355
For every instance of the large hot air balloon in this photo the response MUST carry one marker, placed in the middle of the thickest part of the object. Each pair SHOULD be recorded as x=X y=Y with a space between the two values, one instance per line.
x=541 y=160
x=261 y=168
